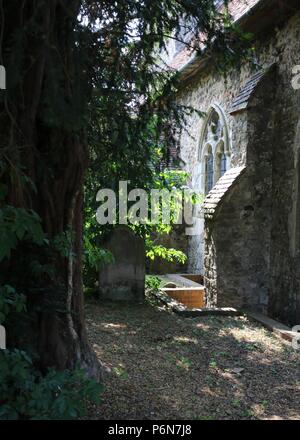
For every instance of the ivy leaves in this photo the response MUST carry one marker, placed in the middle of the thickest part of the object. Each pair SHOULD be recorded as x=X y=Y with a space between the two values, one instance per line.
x=18 y=224
x=26 y=394
x=10 y=300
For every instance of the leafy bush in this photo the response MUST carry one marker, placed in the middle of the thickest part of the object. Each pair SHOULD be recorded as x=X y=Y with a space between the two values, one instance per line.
x=26 y=394
x=94 y=258
x=10 y=300
x=168 y=254
x=18 y=224
x=152 y=282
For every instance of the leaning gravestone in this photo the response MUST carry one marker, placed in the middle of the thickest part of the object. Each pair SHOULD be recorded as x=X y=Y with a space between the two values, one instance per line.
x=124 y=280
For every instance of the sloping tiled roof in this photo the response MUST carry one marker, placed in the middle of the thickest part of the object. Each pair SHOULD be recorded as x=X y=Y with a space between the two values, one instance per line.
x=237 y=9
x=240 y=102
x=215 y=197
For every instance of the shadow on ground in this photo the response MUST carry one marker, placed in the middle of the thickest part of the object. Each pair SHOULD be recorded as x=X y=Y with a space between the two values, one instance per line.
x=169 y=367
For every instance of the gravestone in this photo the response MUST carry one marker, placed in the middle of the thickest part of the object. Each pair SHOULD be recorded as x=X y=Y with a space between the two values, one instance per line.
x=124 y=279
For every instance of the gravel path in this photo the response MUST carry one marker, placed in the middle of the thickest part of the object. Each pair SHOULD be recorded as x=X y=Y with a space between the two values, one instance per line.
x=167 y=367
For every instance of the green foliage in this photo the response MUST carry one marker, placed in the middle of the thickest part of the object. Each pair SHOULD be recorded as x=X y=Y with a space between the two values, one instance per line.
x=121 y=373
x=26 y=394
x=168 y=254
x=10 y=301
x=96 y=257
x=167 y=180
x=62 y=243
x=23 y=241
x=184 y=363
x=152 y=282
x=102 y=82
x=18 y=224
x=172 y=181
x=134 y=115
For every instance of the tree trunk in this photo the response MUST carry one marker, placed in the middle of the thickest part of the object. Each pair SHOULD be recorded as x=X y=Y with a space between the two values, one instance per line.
x=39 y=136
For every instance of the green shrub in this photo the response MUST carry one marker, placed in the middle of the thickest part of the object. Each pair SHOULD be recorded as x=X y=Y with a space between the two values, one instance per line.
x=94 y=257
x=152 y=282
x=167 y=254
x=26 y=394
x=10 y=301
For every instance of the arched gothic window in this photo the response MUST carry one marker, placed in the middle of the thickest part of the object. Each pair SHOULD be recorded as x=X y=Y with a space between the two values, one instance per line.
x=223 y=164
x=220 y=162
x=214 y=154
x=209 y=171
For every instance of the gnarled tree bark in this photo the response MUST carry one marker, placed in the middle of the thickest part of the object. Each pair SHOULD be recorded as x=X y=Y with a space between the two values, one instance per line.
x=38 y=48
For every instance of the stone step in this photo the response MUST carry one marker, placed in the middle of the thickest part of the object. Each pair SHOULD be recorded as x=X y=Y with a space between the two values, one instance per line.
x=281 y=330
x=182 y=310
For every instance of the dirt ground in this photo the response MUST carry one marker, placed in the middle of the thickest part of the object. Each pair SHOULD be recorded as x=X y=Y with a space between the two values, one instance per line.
x=169 y=367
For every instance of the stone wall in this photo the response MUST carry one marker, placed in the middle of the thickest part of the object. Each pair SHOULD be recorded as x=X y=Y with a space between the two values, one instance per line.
x=250 y=257
x=202 y=94
x=285 y=257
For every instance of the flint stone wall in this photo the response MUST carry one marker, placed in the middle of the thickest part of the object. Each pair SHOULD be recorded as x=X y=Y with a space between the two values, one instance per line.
x=250 y=251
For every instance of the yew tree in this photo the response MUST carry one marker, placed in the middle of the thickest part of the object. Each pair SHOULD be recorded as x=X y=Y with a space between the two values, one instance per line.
x=82 y=77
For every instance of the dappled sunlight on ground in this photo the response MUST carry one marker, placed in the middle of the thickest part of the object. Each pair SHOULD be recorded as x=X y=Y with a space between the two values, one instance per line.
x=184 y=340
x=167 y=367
x=114 y=326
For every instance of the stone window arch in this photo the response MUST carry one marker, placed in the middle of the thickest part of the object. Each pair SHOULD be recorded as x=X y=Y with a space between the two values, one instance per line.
x=220 y=161
x=214 y=147
x=209 y=169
